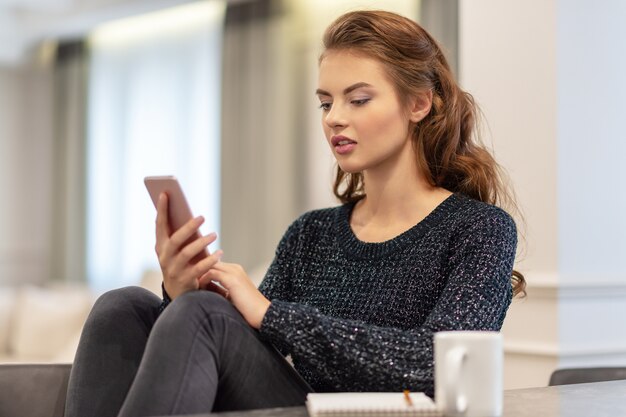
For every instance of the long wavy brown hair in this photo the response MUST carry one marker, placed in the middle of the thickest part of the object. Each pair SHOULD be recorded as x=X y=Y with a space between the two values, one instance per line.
x=446 y=142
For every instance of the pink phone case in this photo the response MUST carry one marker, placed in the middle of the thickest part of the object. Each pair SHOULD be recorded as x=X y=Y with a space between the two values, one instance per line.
x=179 y=211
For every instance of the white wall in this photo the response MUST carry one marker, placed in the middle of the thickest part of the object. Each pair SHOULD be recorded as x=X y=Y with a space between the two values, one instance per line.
x=592 y=139
x=549 y=77
x=508 y=62
x=592 y=143
x=510 y=67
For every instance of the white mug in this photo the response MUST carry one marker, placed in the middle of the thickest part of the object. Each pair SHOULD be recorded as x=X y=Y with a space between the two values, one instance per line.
x=468 y=373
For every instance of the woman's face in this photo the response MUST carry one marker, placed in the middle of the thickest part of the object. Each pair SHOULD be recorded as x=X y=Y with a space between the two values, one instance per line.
x=364 y=122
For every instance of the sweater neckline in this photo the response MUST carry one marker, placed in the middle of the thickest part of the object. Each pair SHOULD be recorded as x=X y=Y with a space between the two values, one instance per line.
x=352 y=246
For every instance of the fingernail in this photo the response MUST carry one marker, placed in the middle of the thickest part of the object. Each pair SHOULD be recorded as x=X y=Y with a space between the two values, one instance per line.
x=218 y=253
x=212 y=235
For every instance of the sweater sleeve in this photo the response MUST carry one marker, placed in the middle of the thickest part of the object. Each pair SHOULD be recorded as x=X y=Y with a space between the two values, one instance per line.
x=349 y=355
x=277 y=284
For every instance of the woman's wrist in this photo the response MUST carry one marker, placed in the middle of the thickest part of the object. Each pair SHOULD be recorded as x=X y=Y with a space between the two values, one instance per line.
x=166 y=297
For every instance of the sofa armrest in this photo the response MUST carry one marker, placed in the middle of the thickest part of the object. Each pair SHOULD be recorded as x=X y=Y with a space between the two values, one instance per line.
x=36 y=390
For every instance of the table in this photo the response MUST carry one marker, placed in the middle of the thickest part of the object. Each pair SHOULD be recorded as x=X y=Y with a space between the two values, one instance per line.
x=599 y=399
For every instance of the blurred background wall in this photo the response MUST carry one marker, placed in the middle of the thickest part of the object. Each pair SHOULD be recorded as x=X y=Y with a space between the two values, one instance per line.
x=547 y=74
x=549 y=77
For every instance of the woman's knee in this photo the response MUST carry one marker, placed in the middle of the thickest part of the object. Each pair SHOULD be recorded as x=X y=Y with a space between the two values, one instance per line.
x=125 y=301
x=121 y=315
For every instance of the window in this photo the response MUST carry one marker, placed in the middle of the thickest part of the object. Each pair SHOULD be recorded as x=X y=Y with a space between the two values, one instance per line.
x=153 y=109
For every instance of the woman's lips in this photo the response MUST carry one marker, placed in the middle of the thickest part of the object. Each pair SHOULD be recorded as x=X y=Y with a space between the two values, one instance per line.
x=344 y=149
x=342 y=144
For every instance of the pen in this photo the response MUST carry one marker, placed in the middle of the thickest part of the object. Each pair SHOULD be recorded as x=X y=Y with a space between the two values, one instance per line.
x=407 y=398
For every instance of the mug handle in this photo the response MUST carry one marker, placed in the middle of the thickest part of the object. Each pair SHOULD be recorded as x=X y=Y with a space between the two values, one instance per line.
x=455 y=399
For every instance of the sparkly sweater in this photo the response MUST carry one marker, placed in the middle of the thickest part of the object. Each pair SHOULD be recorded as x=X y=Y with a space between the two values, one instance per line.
x=358 y=316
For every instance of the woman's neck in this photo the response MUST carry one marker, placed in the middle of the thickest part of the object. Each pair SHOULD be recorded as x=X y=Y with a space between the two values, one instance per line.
x=395 y=201
x=399 y=199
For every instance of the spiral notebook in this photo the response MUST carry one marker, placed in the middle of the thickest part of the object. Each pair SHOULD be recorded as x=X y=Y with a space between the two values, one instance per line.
x=349 y=404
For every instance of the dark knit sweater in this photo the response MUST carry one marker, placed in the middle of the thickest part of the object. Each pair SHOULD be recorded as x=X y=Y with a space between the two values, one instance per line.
x=359 y=316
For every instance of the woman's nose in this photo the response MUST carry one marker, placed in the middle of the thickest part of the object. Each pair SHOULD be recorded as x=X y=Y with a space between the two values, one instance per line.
x=336 y=116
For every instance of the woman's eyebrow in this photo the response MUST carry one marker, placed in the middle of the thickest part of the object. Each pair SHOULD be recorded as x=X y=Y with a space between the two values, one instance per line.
x=320 y=92
x=346 y=90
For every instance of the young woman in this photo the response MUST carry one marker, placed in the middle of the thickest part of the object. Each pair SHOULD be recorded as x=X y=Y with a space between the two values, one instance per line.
x=355 y=292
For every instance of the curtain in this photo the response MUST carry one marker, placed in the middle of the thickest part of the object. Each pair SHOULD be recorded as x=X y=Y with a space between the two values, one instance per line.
x=68 y=196
x=441 y=19
x=154 y=93
x=262 y=137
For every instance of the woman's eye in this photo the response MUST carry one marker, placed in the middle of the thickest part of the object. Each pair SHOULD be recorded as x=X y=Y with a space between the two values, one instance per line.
x=360 y=102
x=325 y=106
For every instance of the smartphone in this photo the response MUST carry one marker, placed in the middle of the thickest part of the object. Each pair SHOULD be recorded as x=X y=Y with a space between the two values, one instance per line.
x=179 y=210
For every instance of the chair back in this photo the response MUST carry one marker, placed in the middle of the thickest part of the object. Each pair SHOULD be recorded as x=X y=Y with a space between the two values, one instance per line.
x=584 y=375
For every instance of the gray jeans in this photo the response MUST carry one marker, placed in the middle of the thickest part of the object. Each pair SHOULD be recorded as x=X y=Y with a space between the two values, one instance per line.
x=198 y=356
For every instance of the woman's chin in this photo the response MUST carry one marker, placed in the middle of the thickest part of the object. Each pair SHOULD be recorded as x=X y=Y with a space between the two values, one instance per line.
x=350 y=168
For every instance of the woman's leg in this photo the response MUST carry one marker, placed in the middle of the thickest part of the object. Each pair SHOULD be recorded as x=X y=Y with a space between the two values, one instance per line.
x=203 y=356
x=110 y=350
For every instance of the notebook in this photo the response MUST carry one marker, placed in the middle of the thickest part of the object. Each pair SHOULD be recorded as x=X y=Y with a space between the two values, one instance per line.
x=348 y=404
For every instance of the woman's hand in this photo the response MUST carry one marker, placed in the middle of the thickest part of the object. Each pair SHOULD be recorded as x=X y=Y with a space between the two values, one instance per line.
x=176 y=254
x=241 y=291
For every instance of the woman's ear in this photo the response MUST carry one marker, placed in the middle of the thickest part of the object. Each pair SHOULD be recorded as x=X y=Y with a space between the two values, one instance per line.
x=420 y=106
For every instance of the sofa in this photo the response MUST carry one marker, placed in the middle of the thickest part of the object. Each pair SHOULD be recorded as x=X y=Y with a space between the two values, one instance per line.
x=33 y=390
x=42 y=324
x=40 y=328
